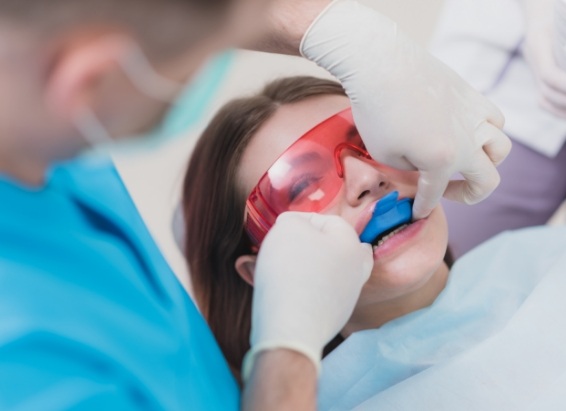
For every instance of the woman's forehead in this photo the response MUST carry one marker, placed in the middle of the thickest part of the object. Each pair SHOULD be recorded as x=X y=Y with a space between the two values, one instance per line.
x=286 y=126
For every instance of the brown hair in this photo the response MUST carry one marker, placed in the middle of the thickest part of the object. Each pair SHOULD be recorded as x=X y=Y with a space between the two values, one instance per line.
x=213 y=207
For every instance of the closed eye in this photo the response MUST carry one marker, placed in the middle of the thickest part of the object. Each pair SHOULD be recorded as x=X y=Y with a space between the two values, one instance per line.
x=302 y=185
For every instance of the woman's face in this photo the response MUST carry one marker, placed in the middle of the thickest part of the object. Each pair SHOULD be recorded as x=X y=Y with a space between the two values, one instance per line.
x=406 y=260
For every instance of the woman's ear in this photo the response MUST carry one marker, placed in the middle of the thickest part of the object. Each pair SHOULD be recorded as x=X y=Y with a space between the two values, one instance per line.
x=245 y=266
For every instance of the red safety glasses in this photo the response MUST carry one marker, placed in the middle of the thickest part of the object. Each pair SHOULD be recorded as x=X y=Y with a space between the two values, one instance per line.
x=306 y=177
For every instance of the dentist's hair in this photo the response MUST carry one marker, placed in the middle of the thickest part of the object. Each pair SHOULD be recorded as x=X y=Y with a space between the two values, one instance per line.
x=161 y=25
x=67 y=10
x=213 y=206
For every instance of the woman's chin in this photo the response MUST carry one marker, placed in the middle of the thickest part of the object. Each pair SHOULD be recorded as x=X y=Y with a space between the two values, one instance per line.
x=393 y=277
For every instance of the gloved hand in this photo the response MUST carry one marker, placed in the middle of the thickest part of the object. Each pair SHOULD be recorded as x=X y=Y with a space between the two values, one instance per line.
x=541 y=42
x=412 y=111
x=308 y=276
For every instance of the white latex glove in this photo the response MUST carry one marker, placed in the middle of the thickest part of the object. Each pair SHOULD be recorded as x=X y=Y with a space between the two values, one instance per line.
x=412 y=111
x=308 y=277
x=541 y=40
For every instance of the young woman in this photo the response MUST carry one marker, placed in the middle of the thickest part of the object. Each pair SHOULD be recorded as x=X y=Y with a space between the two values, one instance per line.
x=275 y=152
x=236 y=149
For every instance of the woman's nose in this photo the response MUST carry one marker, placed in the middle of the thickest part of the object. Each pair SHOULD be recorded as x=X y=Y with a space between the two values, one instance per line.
x=363 y=180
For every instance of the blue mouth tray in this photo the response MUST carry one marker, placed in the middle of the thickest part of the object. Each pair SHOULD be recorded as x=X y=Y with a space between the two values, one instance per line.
x=389 y=212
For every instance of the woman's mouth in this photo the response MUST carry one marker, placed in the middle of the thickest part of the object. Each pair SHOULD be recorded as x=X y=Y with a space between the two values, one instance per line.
x=381 y=239
x=388 y=215
x=398 y=239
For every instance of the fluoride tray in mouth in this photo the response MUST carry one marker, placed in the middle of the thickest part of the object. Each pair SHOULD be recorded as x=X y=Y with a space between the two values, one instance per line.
x=389 y=213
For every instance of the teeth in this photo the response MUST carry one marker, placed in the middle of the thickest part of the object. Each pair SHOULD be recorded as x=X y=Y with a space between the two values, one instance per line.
x=388 y=236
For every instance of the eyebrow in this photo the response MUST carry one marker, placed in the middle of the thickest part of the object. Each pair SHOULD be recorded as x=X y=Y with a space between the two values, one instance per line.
x=351 y=134
x=304 y=158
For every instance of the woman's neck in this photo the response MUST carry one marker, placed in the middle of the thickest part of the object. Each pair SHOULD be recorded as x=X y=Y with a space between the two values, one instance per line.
x=375 y=315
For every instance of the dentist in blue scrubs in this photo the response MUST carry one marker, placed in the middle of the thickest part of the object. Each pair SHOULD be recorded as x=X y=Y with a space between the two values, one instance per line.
x=91 y=316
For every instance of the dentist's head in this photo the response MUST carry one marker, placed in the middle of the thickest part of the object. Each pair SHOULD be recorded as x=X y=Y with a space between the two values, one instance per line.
x=77 y=72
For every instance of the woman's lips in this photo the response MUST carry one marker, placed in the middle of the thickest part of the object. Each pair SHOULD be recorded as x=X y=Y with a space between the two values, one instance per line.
x=399 y=240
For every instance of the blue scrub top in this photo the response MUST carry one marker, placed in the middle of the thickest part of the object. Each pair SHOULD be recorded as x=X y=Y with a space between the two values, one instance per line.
x=91 y=315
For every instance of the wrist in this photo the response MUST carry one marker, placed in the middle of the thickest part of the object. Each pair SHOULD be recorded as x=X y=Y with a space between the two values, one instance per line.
x=293 y=361
x=349 y=35
x=288 y=21
x=301 y=350
x=281 y=380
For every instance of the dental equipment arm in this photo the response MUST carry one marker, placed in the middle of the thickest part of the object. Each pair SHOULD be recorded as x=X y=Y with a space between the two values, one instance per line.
x=541 y=42
x=309 y=274
x=413 y=112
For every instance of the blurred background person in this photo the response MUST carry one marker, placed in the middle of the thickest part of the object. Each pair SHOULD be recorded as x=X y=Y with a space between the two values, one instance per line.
x=514 y=52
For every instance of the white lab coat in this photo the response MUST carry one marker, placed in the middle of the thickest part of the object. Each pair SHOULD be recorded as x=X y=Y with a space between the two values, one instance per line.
x=482 y=40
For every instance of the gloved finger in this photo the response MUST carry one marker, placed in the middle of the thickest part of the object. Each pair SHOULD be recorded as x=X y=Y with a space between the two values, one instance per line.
x=480 y=179
x=366 y=255
x=293 y=215
x=495 y=142
x=552 y=76
x=545 y=104
x=555 y=97
x=493 y=114
x=334 y=225
x=327 y=224
x=389 y=159
x=317 y=221
x=430 y=188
